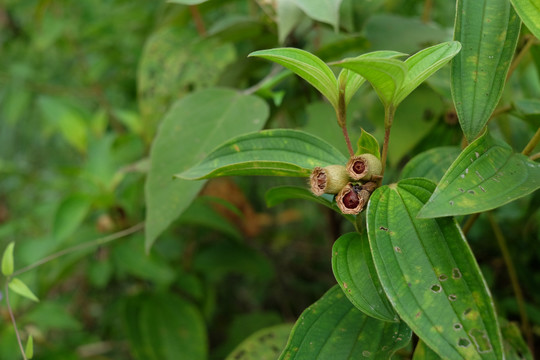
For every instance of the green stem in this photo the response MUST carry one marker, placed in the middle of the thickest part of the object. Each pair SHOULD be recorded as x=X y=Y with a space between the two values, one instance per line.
x=530 y=40
x=341 y=114
x=532 y=144
x=470 y=221
x=10 y=311
x=513 y=278
x=389 y=113
x=97 y=242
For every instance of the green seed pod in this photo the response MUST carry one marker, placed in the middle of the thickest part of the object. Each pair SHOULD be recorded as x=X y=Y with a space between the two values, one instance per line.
x=364 y=167
x=330 y=179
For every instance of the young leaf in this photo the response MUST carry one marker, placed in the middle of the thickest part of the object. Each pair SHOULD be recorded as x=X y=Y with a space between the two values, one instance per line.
x=7 y=260
x=431 y=164
x=355 y=273
x=430 y=274
x=194 y=126
x=20 y=288
x=367 y=144
x=29 y=349
x=263 y=344
x=307 y=66
x=279 y=194
x=486 y=175
x=278 y=152
x=385 y=75
x=424 y=63
x=529 y=12
x=332 y=328
x=488 y=31
x=354 y=81
x=70 y=215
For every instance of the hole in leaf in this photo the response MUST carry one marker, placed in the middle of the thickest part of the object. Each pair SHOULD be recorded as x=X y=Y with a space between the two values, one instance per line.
x=481 y=341
x=443 y=277
x=467 y=311
x=471 y=192
x=366 y=353
x=458 y=326
x=456 y=274
x=452 y=297
x=397 y=249
x=463 y=342
x=436 y=288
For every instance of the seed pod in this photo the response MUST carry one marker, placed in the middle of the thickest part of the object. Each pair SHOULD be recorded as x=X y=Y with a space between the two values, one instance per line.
x=364 y=167
x=330 y=179
x=352 y=199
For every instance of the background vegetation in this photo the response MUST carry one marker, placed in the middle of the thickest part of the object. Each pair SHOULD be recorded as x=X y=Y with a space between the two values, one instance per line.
x=83 y=88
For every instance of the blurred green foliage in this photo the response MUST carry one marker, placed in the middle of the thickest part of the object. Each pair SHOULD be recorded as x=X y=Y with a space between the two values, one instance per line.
x=83 y=88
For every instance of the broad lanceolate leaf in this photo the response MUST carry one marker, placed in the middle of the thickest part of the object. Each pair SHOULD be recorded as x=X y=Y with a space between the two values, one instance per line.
x=488 y=31
x=278 y=152
x=367 y=144
x=424 y=63
x=431 y=164
x=486 y=175
x=326 y=11
x=265 y=344
x=29 y=348
x=355 y=273
x=279 y=194
x=165 y=327
x=193 y=127
x=332 y=328
x=385 y=75
x=20 y=288
x=430 y=274
x=7 y=260
x=307 y=66
x=529 y=12
x=354 y=80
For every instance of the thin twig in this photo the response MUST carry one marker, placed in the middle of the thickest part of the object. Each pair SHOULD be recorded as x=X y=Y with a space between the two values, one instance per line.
x=501 y=110
x=197 y=18
x=525 y=326
x=347 y=140
x=535 y=156
x=97 y=242
x=470 y=221
x=10 y=311
x=530 y=40
x=532 y=143
x=426 y=14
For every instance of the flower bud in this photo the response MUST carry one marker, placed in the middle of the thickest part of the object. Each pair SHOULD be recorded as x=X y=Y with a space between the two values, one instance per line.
x=352 y=199
x=330 y=179
x=364 y=167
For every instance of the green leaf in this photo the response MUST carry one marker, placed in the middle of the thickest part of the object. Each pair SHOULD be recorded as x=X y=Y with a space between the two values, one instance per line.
x=354 y=80
x=423 y=352
x=307 y=66
x=431 y=164
x=187 y=2
x=288 y=15
x=7 y=260
x=164 y=326
x=265 y=344
x=529 y=12
x=514 y=345
x=486 y=175
x=279 y=152
x=367 y=144
x=20 y=288
x=29 y=349
x=424 y=63
x=385 y=75
x=326 y=11
x=194 y=126
x=332 y=328
x=279 y=194
x=430 y=274
x=355 y=273
x=176 y=61
x=69 y=216
x=488 y=31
